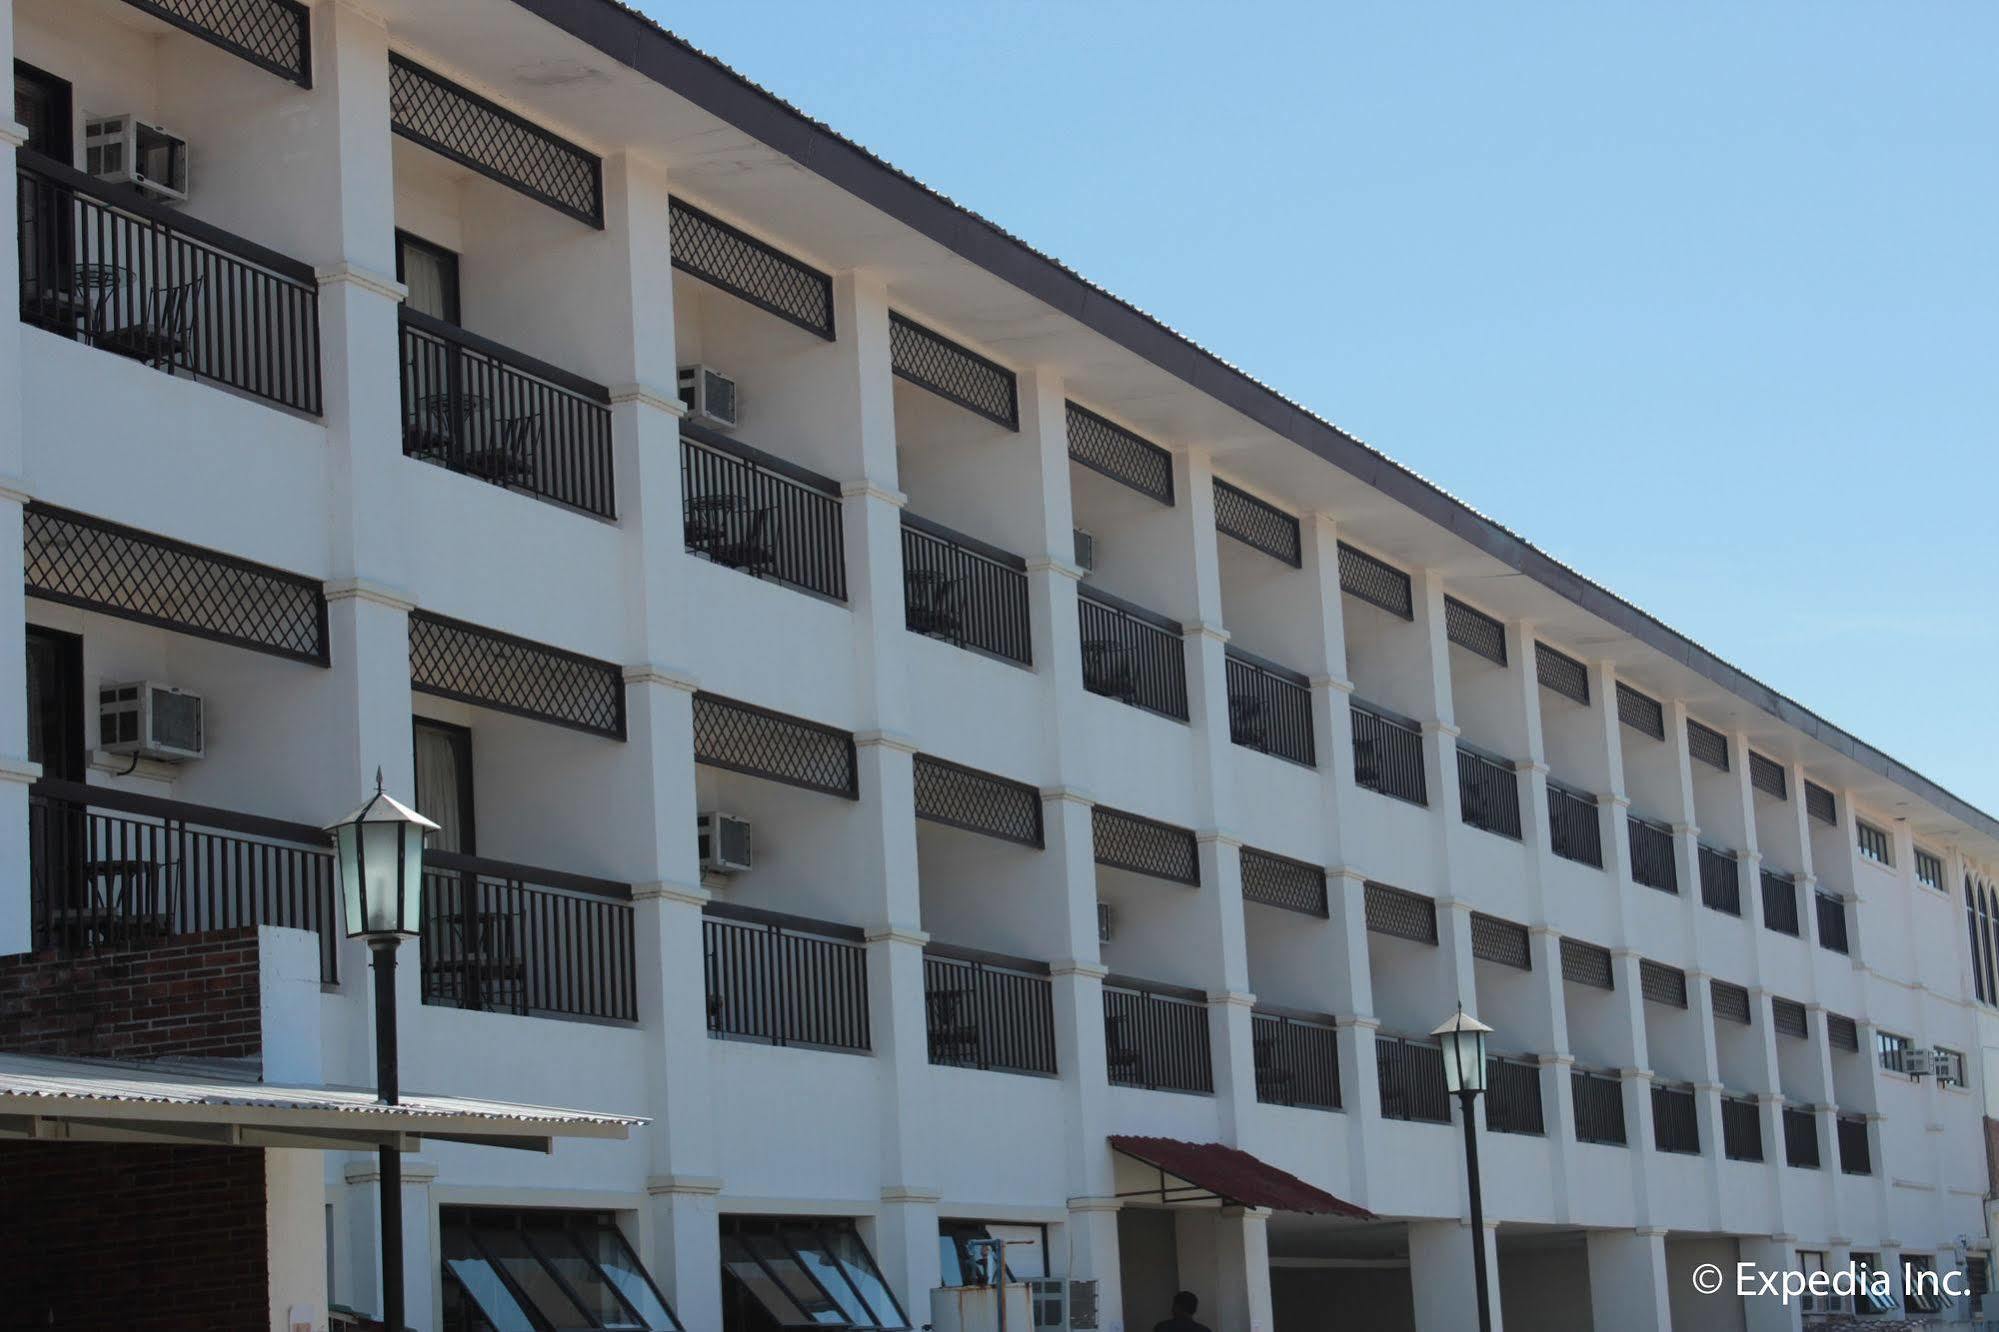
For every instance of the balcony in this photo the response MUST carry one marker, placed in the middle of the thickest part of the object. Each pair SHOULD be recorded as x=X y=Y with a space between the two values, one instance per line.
x=487 y=411
x=1488 y=792
x=1741 y=1129
x=1297 y=1059
x=965 y=592
x=502 y=938
x=1410 y=1075
x=1801 y=1138
x=1780 y=903
x=1599 y=1106
x=1388 y=754
x=1132 y=654
x=1513 y=1095
x=1831 y=921
x=1652 y=855
x=784 y=980
x=755 y=513
x=1721 y=880
x=1854 y=1154
x=127 y=276
x=1156 y=1037
x=988 y=1012
x=1574 y=832
x=1270 y=708
x=1676 y=1124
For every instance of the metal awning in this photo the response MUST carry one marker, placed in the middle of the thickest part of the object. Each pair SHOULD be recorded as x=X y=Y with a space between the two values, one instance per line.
x=1210 y=1174
x=213 y=1104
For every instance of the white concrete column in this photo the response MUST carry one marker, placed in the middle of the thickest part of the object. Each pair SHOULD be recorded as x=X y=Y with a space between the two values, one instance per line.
x=420 y=1271
x=1093 y=1254
x=16 y=926
x=905 y=1244
x=1441 y=1280
x=1627 y=1280
x=1768 y=1313
x=1332 y=685
x=1558 y=1105
x=1230 y=1031
x=1223 y=1258
x=686 y=1256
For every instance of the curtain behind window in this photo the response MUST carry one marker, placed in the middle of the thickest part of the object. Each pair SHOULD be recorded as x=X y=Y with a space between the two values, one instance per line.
x=439 y=794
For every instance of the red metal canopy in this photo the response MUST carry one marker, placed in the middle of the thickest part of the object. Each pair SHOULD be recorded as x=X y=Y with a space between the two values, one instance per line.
x=1230 y=1175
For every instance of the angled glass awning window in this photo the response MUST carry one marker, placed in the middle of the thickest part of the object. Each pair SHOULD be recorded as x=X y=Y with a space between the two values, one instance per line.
x=545 y=1271
x=799 y=1272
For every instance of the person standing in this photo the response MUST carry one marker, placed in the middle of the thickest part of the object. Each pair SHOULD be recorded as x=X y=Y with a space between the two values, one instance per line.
x=1184 y=1305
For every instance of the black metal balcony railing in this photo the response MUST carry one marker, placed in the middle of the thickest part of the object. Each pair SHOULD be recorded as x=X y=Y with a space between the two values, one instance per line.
x=1132 y=655
x=784 y=980
x=1388 y=754
x=1801 y=1138
x=1676 y=1123
x=1270 y=708
x=109 y=268
x=488 y=411
x=506 y=938
x=1488 y=792
x=1513 y=1095
x=1741 y=1129
x=1831 y=921
x=1652 y=855
x=1574 y=831
x=964 y=591
x=1410 y=1074
x=1599 y=1105
x=1780 y=903
x=1721 y=881
x=1855 y=1157
x=1297 y=1059
x=988 y=1012
x=756 y=513
x=1156 y=1037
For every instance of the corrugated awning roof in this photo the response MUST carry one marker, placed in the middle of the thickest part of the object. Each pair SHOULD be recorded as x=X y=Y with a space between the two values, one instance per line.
x=105 y=1100
x=1203 y=1172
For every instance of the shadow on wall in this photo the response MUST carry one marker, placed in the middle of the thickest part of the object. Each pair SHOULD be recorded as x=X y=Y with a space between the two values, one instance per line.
x=1339 y=1299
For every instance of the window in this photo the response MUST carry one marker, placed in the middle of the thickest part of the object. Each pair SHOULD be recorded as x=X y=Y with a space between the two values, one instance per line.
x=1949 y=1065
x=444 y=784
x=1923 y=1288
x=967 y=1251
x=431 y=274
x=1894 y=1051
x=1929 y=869
x=782 y=1272
x=55 y=703
x=1874 y=844
x=544 y=1271
x=1811 y=1265
x=1871 y=1284
x=42 y=103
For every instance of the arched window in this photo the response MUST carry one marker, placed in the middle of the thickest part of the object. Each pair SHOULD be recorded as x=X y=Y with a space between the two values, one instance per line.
x=1977 y=940
x=1989 y=910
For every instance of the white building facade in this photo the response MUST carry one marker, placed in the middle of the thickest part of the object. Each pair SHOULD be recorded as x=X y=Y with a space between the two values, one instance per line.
x=1124 y=753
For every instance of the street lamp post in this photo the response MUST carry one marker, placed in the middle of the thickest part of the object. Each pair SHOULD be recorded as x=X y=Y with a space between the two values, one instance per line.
x=378 y=856
x=1463 y=1042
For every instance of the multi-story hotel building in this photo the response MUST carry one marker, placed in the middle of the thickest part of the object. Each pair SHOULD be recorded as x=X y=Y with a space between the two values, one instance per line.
x=955 y=758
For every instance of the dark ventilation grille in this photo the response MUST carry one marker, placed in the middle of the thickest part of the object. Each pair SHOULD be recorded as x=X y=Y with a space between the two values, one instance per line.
x=1842 y=1033
x=1404 y=915
x=1587 y=964
x=1731 y=1002
x=744 y=266
x=1641 y=712
x=977 y=801
x=1281 y=882
x=1767 y=776
x=1104 y=446
x=1257 y=524
x=1787 y=1017
x=1501 y=941
x=1378 y=584
x=272 y=34
x=744 y=738
x=1661 y=984
x=1819 y=803
x=429 y=109
x=1709 y=746
x=1144 y=846
x=100 y=566
x=952 y=372
x=1474 y=630
x=453 y=659
x=1562 y=673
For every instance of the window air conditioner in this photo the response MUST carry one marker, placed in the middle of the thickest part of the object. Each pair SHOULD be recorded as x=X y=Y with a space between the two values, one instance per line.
x=127 y=151
x=1049 y=1297
x=1086 y=551
x=709 y=396
x=1918 y=1062
x=724 y=843
x=1106 y=922
x=149 y=720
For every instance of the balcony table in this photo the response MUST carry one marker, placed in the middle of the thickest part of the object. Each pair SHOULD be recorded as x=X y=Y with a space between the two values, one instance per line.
x=929 y=603
x=951 y=1037
x=1107 y=669
x=731 y=530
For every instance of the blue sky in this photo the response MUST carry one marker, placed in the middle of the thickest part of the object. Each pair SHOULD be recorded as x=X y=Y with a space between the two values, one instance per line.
x=1699 y=298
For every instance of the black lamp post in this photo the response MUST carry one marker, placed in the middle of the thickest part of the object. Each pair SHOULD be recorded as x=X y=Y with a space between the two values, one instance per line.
x=378 y=855
x=1463 y=1042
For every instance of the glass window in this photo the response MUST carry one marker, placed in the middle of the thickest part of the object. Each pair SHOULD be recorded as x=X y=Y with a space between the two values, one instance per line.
x=1929 y=869
x=859 y=1264
x=1874 y=844
x=1949 y=1067
x=444 y=784
x=473 y=1275
x=531 y=1271
x=783 y=1265
x=606 y=1247
x=738 y=1262
x=431 y=274
x=42 y=103
x=1894 y=1051
x=802 y=1272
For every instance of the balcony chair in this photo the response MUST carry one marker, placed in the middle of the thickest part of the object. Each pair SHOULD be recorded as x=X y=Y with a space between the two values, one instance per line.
x=953 y=1039
x=112 y=901
x=508 y=460
x=732 y=532
x=1367 y=763
x=1119 y=1058
x=484 y=966
x=932 y=604
x=1246 y=720
x=1107 y=670
x=160 y=336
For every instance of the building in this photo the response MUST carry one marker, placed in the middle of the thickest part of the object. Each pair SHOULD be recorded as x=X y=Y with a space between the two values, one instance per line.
x=501 y=394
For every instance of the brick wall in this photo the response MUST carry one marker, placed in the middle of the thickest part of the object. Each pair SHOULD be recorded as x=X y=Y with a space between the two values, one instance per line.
x=194 y=995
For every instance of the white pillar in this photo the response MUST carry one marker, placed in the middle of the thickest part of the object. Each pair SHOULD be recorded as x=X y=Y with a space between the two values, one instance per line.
x=1441 y=1280
x=16 y=930
x=1627 y=1280
x=1776 y=1253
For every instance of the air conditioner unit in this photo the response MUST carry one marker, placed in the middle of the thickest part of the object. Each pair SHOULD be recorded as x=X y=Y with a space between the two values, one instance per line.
x=1917 y=1062
x=1106 y=922
x=127 y=151
x=149 y=720
x=1086 y=551
x=1943 y=1065
x=978 y=1308
x=724 y=844
x=709 y=396
x=1049 y=1297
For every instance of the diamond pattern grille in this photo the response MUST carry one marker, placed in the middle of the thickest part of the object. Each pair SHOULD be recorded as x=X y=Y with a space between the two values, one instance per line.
x=1279 y=881
x=1767 y=776
x=83 y=561
x=1730 y=1001
x=744 y=266
x=453 y=659
x=1787 y=1016
x=1378 y=584
x=1819 y=803
x=1501 y=941
x=1562 y=673
x=1641 y=712
x=744 y=738
x=1661 y=984
x=1474 y=630
x=1709 y=746
x=272 y=34
x=1400 y=913
x=429 y=109
x=977 y=801
x=1587 y=964
x=1257 y=524
x=1104 y=446
x=1842 y=1033
x=1144 y=846
x=954 y=373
